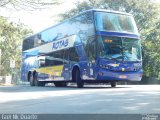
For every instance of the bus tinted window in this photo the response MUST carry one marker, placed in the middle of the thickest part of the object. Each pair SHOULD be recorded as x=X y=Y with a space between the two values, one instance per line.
x=55 y=58
x=32 y=42
x=58 y=57
x=115 y=22
x=73 y=56
x=28 y=43
x=66 y=56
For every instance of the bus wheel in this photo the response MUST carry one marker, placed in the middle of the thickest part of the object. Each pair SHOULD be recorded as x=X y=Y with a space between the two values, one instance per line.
x=60 y=84
x=78 y=79
x=31 y=80
x=38 y=83
x=113 y=84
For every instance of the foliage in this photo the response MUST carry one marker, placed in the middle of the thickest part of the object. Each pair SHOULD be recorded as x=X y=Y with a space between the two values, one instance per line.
x=28 y=4
x=11 y=36
x=146 y=13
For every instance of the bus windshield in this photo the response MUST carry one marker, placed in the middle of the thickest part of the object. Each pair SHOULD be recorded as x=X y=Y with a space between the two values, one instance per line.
x=121 y=49
x=114 y=22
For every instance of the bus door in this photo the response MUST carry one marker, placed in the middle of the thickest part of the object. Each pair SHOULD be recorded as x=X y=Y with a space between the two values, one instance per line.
x=92 y=59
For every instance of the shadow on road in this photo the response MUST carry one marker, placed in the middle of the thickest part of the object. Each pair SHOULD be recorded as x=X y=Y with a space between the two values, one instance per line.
x=27 y=88
x=97 y=87
x=69 y=100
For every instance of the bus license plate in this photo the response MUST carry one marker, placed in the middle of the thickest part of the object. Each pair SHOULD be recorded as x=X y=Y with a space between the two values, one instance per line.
x=123 y=76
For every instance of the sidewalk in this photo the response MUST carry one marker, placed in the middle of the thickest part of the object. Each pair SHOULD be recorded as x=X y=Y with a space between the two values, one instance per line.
x=3 y=84
x=15 y=84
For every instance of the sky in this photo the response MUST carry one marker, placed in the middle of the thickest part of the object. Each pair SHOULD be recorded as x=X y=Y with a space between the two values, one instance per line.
x=38 y=20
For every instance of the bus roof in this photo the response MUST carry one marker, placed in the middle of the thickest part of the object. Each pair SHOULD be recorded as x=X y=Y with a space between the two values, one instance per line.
x=105 y=10
x=91 y=10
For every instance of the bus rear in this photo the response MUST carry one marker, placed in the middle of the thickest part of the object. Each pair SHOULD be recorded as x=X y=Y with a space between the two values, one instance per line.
x=118 y=47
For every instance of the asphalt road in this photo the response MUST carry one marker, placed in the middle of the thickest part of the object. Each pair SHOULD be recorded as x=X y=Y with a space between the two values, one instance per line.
x=92 y=99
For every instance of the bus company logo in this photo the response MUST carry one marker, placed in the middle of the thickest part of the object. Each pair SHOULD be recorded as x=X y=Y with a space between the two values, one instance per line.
x=60 y=44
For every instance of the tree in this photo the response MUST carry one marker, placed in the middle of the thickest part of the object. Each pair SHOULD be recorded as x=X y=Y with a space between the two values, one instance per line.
x=146 y=13
x=11 y=36
x=28 y=4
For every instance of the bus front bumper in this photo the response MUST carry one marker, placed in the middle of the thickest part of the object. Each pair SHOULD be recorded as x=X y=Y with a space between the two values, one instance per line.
x=119 y=76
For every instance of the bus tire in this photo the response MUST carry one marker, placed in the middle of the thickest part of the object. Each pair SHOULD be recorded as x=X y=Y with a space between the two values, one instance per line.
x=31 y=80
x=60 y=84
x=78 y=79
x=113 y=84
x=38 y=83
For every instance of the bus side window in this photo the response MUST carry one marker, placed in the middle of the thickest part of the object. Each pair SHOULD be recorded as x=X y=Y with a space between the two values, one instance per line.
x=66 y=56
x=58 y=57
x=54 y=58
x=28 y=43
x=73 y=56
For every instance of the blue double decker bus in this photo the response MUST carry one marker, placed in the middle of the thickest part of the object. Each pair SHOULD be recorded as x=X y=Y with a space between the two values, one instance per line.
x=96 y=46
